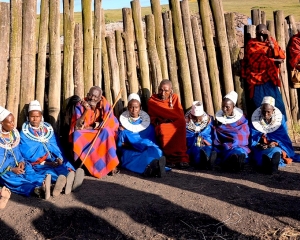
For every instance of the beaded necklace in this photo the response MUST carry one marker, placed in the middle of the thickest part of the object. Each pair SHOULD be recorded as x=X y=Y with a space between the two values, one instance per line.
x=198 y=127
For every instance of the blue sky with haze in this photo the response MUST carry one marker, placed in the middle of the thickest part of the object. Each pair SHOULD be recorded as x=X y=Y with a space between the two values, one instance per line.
x=106 y=4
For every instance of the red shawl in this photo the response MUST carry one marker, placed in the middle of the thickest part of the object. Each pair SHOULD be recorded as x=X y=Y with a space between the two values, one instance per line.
x=294 y=51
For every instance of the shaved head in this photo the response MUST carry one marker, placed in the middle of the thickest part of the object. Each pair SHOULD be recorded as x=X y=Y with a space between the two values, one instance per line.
x=261 y=27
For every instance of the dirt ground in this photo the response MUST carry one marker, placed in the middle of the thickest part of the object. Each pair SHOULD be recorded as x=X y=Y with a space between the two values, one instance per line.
x=186 y=204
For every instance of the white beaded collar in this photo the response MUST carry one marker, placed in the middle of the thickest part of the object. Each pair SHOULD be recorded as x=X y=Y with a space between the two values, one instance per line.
x=44 y=137
x=237 y=115
x=124 y=119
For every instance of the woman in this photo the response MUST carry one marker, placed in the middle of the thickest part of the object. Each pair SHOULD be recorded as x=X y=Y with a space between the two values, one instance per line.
x=199 y=137
x=136 y=141
x=231 y=134
x=16 y=174
x=39 y=147
x=270 y=143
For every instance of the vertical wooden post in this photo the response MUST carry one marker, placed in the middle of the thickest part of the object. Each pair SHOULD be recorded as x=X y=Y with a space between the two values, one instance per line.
x=42 y=52
x=183 y=64
x=191 y=53
x=211 y=54
x=121 y=63
x=234 y=50
x=226 y=72
x=128 y=37
x=171 y=54
x=159 y=37
x=97 y=44
x=114 y=70
x=142 y=50
x=156 y=75
x=279 y=30
x=271 y=27
x=27 y=93
x=78 y=61
x=4 y=49
x=87 y=21
x=292 y=25
x=205 y=85
x=13 y=97
x=55 y=65
x=263 y=17
x=69 y=25
x=256 y=16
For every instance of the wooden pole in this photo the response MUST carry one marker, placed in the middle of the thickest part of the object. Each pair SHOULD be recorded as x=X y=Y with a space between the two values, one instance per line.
x=271 y=27
x=191 y=53
x=128 y=36
x=142 y=50
x=87 y=21
x=234 y=50
x=256 y=16
x=292 y=25
x=42 y=52
x=263 y=17
x=183 y=64
x=211 y=54
x=114 y=71
x=156 y=74
x=205 y=85
x=13 y=97
x=78 y=61
x=121 y=63
x=4 y=50
x=69 y=25
x=27 y=93
x=159 y=37
x=226 y=72
x=171 y=54
x=280 y=36
x=97 y=44
x=55 y=65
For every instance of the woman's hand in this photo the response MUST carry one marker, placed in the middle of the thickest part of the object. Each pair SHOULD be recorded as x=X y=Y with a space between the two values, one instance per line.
x=21 y=165
x=17 y=170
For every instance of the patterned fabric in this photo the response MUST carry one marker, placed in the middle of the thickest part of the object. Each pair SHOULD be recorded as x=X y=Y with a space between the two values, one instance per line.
x=170 y=133
x=258 y=66
x=35 y=152
x=138 y=149
x=233 y=135
x=280 y=136
x=102 y=158
x=294 y=51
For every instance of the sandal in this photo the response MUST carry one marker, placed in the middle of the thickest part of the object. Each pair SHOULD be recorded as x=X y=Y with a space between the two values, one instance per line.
x=184 y=165
x=5 y=195
x=59 y=185
x=79 y=176
x=70 y=182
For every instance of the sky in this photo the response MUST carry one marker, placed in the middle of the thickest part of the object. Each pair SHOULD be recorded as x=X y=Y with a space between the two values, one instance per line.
x=106 y=4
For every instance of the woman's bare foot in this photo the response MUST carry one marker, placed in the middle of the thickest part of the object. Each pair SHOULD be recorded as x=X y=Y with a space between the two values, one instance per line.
x=5 y=195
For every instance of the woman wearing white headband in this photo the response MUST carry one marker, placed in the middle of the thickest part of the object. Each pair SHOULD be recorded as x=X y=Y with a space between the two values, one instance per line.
x=270 y=143
x=15 y=173
x=39 y=147
x=136 y=141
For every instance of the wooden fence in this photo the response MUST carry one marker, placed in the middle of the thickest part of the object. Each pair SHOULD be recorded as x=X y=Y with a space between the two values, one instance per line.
x=199 y=55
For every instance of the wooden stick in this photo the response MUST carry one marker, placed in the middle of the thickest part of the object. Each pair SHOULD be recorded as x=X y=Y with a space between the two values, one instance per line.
x=102 y=126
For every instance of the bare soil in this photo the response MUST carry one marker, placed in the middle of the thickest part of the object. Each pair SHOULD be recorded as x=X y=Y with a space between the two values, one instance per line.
x=186 y=204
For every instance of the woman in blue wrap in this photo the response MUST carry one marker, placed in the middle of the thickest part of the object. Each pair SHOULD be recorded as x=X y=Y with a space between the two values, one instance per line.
x=136 y=141
x=15 y=173
x=270 y=144
x=199 y=137
x=39 y=147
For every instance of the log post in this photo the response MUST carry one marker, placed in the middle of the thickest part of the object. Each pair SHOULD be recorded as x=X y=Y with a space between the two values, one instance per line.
x=292 y=25
x=226 y=73
x=55 y=65
x=159 y=37
x=156 y=75
x=256 y=16
x=97 y=44
x=114 y=72
x=68 y=81
x=171 y=54
x=142 y=50
x=191 y=53
x=87 y=22
x=271 y=27
x=121 y=63
x=205 y=85
x=263 y=17
x=13 y=97
x=234 y=50
x=183 y=64
x=280 y=36
x=27 y=93
x=4 y=50
x=211 y=54
x=42 y=52
x=78 y=61
x=128 y=36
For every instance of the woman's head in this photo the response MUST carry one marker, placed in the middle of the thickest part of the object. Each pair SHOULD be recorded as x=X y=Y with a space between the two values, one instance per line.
x=228 y=103
x=197 y=112
x=6 y=120
x=35 y=115
x=267 y=108
x=134 y=105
